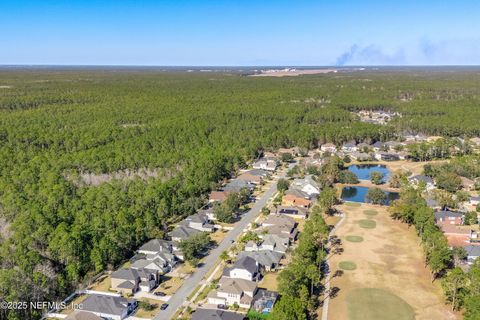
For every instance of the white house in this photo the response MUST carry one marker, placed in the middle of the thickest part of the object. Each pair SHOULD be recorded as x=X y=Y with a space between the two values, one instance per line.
x=307 y=185
x=244 y=268
x=418 y=179
x=233 y=291
x=328 y=147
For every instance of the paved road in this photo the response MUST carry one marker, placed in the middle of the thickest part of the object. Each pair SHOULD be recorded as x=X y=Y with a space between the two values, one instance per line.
x=191 y=283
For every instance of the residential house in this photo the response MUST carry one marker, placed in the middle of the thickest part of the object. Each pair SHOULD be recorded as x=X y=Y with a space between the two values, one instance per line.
x=294 y=212
x=236 y=185
x=216 y=314
x=296 y=198
x=109 y=307
x=250 y=178
x=198 y=221
x=264 y=300
x=307 y=185
x=270 y=242
x=130 y=280
x=349 y=147
x=180 y=233
x=363 y=147
x=281 y=225
x=473 y=252
x=393 y=145
x=360 y=156
x=387 y=156
x=457 y=237
x=218 y=196
x=467 y=184
x=379 y=146
x=209 y=211
x=269 y=164
x=82 y=315
x=158 y=250
x=448 y=217
x=267 y=259
x=328 y=147
x=233 y=291
x=244 y=268
x=474 y=201
x=274 y=242
x=422 y=179
x=156 y=265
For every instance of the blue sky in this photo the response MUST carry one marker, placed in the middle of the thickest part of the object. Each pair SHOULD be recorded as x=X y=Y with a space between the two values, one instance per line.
x=240 y=32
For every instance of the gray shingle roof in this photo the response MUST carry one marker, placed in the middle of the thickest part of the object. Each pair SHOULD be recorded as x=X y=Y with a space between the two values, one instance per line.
x=473 y=250
x=444 y=214
x=106 y=304
x=246 y=263
x=215 y=314
x=156 y=245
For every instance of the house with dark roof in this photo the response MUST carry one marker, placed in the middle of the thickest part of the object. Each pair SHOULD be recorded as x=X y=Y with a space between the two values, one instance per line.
x=244 y=268
x=294 y=212
x=448 y=217
x=236 y=185
x=268 y=260
x=109 y=307
x=216 y=314
x=180 y=233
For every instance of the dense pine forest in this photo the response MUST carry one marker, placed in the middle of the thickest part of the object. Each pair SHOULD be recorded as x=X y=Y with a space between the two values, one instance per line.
x=167 y=138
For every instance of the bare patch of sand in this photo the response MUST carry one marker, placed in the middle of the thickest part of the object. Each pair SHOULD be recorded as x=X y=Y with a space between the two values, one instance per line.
x=292 y=73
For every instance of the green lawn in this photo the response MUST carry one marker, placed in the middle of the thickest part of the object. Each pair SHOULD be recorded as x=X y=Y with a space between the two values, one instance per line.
x=372 y=303
x=370 y=212
x=353 y=204
x=367 y=224
x=354 y=238
x=347 y=265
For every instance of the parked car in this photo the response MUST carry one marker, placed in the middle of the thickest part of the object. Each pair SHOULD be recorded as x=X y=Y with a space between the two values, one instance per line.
x=164 y=306
x=159 y=294
x=221 y=306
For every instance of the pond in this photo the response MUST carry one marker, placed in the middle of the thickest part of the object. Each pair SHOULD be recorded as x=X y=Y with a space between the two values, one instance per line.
x=363 y=171
x=357 y=194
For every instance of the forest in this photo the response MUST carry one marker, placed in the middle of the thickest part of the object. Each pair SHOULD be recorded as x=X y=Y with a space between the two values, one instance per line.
x=192 y=130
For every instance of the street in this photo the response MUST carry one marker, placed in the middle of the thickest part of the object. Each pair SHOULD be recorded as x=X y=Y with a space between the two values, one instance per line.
x=191 y=283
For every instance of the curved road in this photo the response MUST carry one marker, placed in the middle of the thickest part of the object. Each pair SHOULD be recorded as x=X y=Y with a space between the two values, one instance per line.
x=191 y=283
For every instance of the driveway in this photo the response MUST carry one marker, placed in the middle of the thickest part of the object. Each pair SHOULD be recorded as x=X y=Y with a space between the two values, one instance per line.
x=191 y=283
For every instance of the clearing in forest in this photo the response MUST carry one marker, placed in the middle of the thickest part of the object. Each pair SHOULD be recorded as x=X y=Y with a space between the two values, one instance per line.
x=389 y=280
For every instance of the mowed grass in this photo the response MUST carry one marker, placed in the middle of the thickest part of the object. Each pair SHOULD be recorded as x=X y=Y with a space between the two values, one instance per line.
x=347 y=265
x=353 y=204
x=372 y=303
x=354 y=238
x=367 y=224
x=370 y=212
